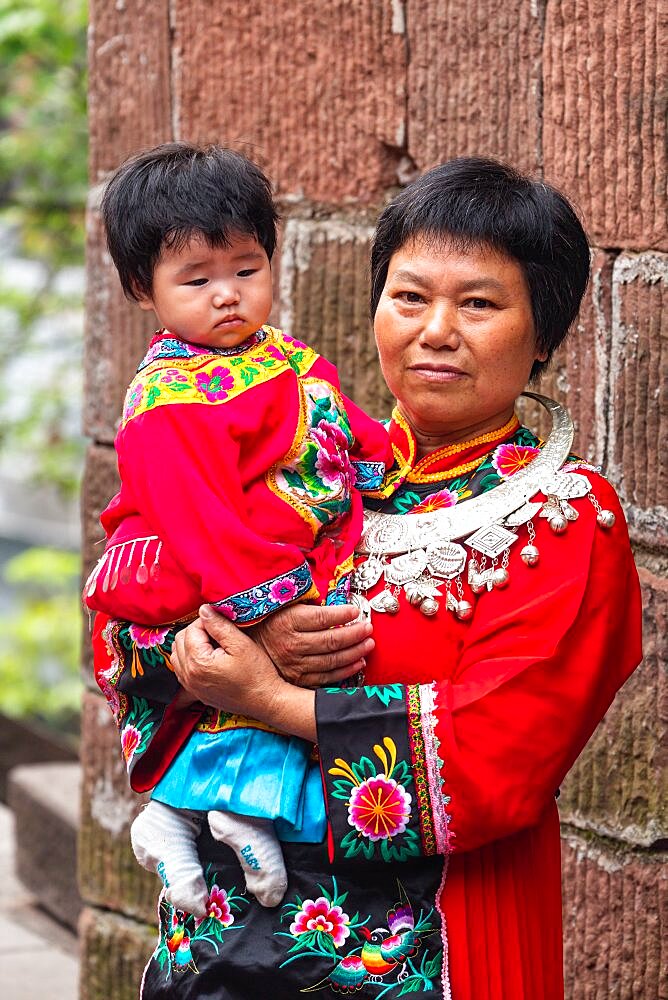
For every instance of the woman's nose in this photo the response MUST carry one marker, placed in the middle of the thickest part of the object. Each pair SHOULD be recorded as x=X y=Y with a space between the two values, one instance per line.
x=440 y=327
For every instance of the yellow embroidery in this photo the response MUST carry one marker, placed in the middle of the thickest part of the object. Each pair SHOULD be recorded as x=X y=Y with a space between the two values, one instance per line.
x=214 y=379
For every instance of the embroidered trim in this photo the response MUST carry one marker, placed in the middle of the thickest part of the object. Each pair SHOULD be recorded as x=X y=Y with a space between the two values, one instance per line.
x=444 y=836
x=257 y=602
x=368 y=475
x=420 y=775
x=455 y=449
x=437 y=477
x=173 y=347
x=216 y=721
x=445 y=967
x=202 y=378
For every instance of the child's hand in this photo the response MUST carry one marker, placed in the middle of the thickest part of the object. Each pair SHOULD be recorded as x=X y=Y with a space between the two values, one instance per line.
x=308 y=646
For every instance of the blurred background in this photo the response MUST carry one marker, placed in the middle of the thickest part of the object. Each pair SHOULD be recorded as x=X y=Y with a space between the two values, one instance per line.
x=43 y=183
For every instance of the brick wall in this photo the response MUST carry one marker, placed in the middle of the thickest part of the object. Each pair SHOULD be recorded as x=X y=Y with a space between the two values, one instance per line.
x=342 y=102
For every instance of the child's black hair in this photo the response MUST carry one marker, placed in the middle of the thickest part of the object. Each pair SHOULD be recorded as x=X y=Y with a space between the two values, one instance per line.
x=165 y=196
x=472 y=201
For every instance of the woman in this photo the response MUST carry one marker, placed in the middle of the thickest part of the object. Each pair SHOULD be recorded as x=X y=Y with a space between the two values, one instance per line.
x=505 y=617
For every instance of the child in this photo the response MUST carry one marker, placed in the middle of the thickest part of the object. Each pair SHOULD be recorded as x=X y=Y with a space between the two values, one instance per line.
x=237 y=456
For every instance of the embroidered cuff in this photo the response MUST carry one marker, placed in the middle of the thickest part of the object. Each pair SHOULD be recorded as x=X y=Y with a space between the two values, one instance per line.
x=380 y=772
x=368 y=475
x=251 y=605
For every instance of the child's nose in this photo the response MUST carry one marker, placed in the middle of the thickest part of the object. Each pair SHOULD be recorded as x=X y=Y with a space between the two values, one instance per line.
x=225 y=295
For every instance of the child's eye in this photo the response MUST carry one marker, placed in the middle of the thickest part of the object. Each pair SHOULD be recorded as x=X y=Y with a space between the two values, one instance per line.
x=247 y=272
x=197 y=282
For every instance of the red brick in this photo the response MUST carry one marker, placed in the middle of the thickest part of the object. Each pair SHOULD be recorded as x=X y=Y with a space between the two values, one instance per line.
x=619 y=786
x=117 y=333
x=604 y=136
x=578 y=376
x=615 y=922
x=109 y=875
x=114 y=951
x=315 y=92
x=639 y=381
x=129 y=104
x=324 y=300
x=474 y=80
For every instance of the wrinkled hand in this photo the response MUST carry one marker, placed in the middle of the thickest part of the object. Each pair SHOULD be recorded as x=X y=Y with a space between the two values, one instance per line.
x=236 y=675
x=313 y=646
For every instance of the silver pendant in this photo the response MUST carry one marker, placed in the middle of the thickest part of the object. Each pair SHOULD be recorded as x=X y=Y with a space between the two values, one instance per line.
x=429 y=607
x=530 y=555
x=367 y=574
x=361 y=603
x=464 y=611
x=491 y=541
x=606 y=519
x=417 y=590
x=566 y=486
x=446 y=561
x=385 y=602
x=405 y=568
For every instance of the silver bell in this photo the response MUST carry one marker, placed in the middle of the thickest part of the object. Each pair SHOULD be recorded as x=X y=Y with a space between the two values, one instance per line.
x=464 y=610
x=500 y=578
x=606 y=518
x=477 y=584
x=558 y=523
x=415 y=599
x=385 y=602
x=429 y=606
x=530 y=555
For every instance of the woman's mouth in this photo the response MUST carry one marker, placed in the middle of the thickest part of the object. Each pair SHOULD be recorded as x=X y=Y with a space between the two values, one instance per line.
x=437 y=372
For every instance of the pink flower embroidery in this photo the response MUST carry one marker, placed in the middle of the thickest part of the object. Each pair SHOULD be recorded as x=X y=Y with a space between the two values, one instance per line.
x=319 y=915
x=215 y=385
x=333 y=461
x=436 y=501
x=133 y=400
x=130 y=739
x=146 y=637
x=174 y=375
x=379 y=808
x=218 y=907
x=510 y=458
x=227 y=610
x=283 y=590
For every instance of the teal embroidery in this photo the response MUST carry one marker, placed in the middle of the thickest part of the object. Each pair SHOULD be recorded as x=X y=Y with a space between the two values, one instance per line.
x=385 y=692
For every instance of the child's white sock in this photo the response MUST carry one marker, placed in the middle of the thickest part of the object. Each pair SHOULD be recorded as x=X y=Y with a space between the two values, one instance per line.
x=164 y=841
x=255 y=843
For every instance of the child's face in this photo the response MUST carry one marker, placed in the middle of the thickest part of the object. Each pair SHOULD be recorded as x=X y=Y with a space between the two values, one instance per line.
x=212 y=296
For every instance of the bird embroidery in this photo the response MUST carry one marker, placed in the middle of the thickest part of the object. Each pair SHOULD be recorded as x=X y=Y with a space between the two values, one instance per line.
x=178 y=944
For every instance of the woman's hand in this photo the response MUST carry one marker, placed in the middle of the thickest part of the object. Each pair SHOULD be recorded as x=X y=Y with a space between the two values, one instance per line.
x=236 y=675
x=309 y=645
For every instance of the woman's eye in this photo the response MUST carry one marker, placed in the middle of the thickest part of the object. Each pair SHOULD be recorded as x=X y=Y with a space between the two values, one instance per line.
x=411 y=298
x=477 y=303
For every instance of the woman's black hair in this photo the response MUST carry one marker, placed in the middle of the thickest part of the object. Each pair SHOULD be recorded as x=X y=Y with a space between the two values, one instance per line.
x=165 y=196
x=472 y=201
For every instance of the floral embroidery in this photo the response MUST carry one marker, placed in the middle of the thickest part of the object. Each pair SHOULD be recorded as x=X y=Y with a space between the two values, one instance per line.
x=384 y=956
x=368 y=475
x=146 y=636
x=215 y=384
x=437 y=501
x=378 y=805
x=202 y=379
x=137 y=730
x=385 y=693
x=317 y=475
x=255 y=603
x=180 y=931
x=509 y=458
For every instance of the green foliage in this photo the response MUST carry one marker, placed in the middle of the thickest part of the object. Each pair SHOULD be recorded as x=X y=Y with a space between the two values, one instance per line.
x=39 y=638
x=43 y=136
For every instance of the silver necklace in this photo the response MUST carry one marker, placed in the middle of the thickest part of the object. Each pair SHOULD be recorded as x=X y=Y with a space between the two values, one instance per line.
x=421 y=553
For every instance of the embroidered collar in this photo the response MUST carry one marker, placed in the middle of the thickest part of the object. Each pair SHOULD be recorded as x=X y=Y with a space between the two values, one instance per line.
x=165 y=345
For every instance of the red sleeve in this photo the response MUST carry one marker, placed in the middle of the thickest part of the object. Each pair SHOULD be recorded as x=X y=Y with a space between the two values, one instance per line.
x=536 y=676
x=179 y=467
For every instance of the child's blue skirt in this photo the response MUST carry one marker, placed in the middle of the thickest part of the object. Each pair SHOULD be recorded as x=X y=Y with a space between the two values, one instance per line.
x=251 y=772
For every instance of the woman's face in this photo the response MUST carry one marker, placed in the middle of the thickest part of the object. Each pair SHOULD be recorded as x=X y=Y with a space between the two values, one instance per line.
x=456 y=339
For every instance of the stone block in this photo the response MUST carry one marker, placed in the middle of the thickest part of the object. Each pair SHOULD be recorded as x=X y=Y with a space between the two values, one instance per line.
x=315 y=92
x=324 y=300
x=109 y=875
x=619 y=785
x=614 y=922
x=639 y=381
x=474 y=80
x=44 y=799
x=129 y=98
x=604 y=131
x=114 y=952
x=578 y=374
x=117 y=333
